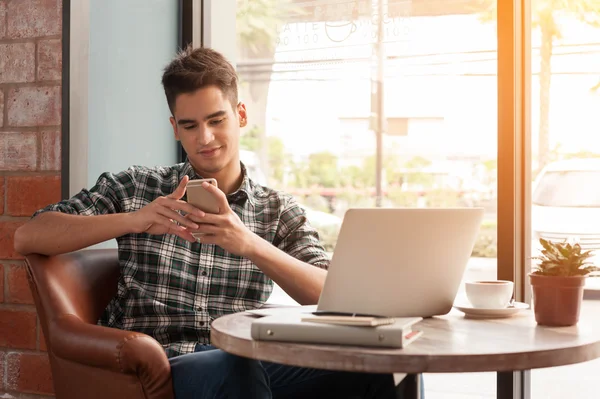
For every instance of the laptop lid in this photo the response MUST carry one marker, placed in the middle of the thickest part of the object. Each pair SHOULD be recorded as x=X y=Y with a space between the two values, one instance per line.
x=400 y=262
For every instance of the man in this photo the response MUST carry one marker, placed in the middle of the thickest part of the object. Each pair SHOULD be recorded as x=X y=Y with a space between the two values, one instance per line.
x=172 y=285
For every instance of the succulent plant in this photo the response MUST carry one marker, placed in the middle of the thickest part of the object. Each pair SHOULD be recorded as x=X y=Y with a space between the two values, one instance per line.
x=563 y=259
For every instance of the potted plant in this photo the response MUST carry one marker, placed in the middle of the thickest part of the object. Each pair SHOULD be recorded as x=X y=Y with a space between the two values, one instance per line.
x=557 y=282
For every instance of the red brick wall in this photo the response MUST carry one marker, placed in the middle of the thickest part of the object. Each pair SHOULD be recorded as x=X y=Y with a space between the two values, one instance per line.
x=30 y=118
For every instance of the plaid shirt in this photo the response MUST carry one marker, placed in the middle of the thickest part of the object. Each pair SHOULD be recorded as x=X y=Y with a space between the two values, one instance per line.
x=172 y=289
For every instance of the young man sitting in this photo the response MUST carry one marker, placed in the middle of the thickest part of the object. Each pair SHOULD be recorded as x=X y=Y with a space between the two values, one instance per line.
x=172 y=285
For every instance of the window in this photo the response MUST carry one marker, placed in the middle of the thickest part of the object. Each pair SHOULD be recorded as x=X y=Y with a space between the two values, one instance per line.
x=118 y=111
x=565 y=97
x=332 y=95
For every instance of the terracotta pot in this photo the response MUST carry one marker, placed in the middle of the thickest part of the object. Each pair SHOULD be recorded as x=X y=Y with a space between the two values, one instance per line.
x=557 y=300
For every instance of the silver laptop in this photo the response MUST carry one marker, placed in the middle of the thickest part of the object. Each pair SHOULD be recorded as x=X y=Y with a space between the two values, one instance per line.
x=405 y=262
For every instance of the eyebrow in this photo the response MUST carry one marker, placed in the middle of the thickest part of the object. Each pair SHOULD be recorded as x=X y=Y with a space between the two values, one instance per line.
x=191 y=121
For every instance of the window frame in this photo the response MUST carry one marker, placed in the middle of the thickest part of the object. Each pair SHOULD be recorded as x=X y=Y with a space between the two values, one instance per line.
x=514 y=147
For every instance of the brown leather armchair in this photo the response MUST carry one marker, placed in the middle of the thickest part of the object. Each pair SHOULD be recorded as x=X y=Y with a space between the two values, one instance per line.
x=87 y=360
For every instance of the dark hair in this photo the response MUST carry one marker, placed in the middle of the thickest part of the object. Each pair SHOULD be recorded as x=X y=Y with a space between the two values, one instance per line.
x=196 y=68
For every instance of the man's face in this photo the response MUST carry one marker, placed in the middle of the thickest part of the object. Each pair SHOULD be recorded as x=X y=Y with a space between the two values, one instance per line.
x=208 y=128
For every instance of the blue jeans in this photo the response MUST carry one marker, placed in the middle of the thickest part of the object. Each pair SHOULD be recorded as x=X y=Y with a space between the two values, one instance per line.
x=212 y=373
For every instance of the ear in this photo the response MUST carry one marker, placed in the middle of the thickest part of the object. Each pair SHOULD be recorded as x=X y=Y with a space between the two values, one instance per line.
x=242 y=114
x=174 y=125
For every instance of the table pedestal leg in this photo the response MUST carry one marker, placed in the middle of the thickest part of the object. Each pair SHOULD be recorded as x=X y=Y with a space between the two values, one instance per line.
x=412 y=383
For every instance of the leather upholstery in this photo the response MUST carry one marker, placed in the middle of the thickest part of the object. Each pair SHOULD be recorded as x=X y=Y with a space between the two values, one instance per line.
x=87 y=360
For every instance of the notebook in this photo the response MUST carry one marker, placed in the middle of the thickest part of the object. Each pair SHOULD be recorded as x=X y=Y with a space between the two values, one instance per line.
x=365 y=321
x=291 y=328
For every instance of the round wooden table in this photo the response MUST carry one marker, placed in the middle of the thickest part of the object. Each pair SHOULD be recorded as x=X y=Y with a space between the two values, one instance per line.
x=450 y=344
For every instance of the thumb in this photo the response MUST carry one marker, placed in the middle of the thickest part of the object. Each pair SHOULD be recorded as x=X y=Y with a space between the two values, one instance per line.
x=180 y=190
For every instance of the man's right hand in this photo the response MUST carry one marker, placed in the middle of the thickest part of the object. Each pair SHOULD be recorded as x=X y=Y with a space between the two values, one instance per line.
x=161 y=216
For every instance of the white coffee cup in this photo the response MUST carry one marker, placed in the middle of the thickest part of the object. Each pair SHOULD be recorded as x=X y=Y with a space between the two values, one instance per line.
x=489 y=294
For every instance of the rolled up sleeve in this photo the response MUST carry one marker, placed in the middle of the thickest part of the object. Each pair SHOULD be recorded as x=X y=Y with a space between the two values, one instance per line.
x=112 y=193
x=298 y=238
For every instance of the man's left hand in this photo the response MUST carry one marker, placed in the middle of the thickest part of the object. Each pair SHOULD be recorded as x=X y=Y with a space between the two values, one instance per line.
x=224 y=229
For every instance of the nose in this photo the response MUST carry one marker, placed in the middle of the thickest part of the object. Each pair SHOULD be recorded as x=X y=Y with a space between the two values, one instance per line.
x=205 y=137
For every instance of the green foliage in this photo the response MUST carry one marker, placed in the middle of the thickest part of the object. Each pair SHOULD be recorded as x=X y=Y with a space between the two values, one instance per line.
x=486 y=244
x=401 y=198
x=581 y=155
x=417 y=162
x=256 y=24
x=323 y=169
x=443 y=199
x=563 y=259
x=277 y=158
x=276 y=152
x=251 y=139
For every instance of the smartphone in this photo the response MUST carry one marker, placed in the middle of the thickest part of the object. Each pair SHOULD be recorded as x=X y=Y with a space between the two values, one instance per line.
x=200 y=197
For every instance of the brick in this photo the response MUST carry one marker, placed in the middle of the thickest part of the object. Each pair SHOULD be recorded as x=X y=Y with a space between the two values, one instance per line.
x=2 y=195
x=1 y=283
x=29 y=373
x=18 y=287
x=1 y=108
x=17 y=62
x=49 y=59
x=51 y=150
x=7 y=238
x=2 y=19
x=18 y=151
x=34 y=106
x=27 y=194
x=17 y=329
x=33 y=18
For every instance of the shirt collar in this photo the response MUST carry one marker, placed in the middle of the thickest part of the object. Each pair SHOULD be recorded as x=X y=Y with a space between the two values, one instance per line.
x=245 y=189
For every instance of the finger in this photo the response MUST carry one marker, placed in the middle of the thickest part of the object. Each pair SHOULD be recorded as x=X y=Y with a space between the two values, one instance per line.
x=172 y=228
x=180 y=205
x=219 y=195
x=186 y=235
x=171 y=214
x=180 y=190
x=208 y=218
x=207 y=229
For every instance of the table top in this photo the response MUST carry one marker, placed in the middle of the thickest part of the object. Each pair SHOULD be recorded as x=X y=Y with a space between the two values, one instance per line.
x=450 y=343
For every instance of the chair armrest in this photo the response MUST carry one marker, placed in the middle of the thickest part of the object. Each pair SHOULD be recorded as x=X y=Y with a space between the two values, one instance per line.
x=109 y=348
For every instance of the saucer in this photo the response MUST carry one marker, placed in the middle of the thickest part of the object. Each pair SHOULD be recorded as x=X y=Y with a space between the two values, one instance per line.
x=481 y=313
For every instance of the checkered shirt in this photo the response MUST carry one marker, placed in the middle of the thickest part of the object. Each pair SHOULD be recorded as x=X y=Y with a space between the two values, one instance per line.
x=172 y=289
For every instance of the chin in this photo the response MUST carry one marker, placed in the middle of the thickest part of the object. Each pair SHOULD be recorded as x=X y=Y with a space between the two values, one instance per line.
x=204 y=166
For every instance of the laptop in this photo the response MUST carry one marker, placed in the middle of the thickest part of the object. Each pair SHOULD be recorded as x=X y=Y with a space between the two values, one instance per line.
x=399 y=262
x=405 y=264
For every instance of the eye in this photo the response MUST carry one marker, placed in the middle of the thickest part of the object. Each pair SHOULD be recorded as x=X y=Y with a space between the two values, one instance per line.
x=189 y=127
x=215 y=122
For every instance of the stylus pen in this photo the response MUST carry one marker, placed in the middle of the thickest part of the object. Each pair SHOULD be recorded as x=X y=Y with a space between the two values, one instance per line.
x=325 y=313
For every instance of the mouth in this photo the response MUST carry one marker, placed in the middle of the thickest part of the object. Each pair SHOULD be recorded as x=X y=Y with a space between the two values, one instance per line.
x=210 y=152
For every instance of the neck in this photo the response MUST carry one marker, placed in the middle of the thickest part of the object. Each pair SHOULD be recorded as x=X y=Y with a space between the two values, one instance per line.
x=228 y=179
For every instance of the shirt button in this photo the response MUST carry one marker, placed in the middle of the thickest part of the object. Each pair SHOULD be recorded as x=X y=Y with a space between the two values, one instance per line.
x=204 y=272
x=199 y=308
x=201 y=323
